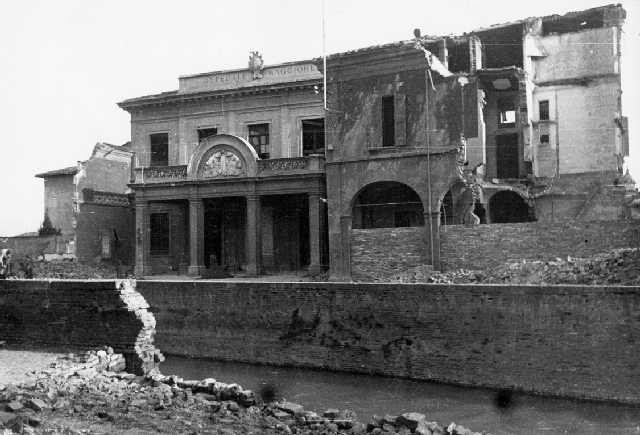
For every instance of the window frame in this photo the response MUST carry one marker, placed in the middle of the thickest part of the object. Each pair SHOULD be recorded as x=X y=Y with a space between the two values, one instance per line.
x=546 y=112
x=315 y=149
x=153 y=161
x=263 y=150
x=388 y=124
x=165 y=237
x=202 y=128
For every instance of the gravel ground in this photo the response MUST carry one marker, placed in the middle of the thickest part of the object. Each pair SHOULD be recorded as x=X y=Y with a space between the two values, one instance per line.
x=15 y=364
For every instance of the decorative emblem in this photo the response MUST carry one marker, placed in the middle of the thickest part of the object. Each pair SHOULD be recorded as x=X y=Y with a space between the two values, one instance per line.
x=222 y=163
x=256 y=64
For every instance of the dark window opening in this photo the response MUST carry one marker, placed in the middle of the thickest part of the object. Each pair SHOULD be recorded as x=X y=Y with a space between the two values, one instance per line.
x=507 y=155
x=544 y=139
x=502 y=47
x=575 y=22
x=506 y=113
x=446 y=210
x=313 y=136
x=159 y=149
x=459 y=56
x=204 y=133
x=543 y=109
x=509 y=207
x=388 y=122
x=259 y=139
x=387 y=204
x=159 y=229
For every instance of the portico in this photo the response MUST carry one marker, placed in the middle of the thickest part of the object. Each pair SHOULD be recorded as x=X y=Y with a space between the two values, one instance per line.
x=230 y=207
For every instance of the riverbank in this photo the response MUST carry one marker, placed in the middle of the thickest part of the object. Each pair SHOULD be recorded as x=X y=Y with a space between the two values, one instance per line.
x=91 y=393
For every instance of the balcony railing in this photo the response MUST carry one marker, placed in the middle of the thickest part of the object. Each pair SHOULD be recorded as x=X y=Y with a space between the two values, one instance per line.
x=161 y=174
x=170 y=174
x=313 y=163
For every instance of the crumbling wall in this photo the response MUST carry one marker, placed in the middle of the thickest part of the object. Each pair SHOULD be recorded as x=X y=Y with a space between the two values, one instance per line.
x=485 y=246
x=80 y=315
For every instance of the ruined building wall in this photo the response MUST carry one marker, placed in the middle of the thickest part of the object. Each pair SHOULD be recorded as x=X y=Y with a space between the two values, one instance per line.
x=561 y=340
x=580 y=78
x=58 y=202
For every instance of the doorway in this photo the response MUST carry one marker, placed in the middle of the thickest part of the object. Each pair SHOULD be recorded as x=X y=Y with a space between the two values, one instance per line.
x=507 y=156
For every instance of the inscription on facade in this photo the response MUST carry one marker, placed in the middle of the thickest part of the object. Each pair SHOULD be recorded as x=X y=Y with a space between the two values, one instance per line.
x=222 y=163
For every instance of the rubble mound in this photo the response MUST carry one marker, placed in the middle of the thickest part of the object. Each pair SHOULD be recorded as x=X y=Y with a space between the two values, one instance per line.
x=615 y=267
x=90 y=393
x=66 y=269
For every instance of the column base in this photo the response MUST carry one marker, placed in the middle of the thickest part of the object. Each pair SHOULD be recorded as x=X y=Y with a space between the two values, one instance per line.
x=314 y=269
x=252 y=270
x=195 y=270
x=142 y=270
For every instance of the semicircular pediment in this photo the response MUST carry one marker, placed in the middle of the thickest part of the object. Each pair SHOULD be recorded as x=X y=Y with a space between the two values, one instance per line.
x=221 y=161
x=223 y=156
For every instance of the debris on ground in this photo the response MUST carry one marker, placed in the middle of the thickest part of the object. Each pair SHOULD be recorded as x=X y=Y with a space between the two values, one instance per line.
x=614 y=267
x=89 y=393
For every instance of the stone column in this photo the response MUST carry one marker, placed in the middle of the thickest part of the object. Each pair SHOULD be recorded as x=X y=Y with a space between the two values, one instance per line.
x=432 y=238
x=253 y=237
x=143 y=264
x=346 y=223
x=314 y=233
x=196 y=236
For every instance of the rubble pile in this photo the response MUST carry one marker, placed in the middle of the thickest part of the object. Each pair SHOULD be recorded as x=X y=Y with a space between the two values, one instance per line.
x=91 y=393
x=615 y=267
x=65 y=269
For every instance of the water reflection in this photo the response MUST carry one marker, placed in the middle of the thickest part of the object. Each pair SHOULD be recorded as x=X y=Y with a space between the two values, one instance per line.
x=478 y=409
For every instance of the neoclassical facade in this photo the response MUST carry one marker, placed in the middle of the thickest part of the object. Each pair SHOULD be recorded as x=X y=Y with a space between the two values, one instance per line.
x=231 y=173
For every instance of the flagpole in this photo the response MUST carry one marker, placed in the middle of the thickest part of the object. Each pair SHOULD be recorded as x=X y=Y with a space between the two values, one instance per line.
x=324 y=61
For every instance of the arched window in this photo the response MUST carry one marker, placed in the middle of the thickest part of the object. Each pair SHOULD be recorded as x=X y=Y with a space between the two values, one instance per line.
x=387 y=204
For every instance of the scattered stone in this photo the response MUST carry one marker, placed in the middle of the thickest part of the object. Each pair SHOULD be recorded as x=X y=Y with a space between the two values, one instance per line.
x=410 y=420
x=331 y=413
x=291 y=408
x=14 y=406
x=37 y=405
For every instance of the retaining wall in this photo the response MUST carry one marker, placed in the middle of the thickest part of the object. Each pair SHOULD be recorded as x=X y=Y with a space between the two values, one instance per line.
x=79 y=315
x=484 y=246
x=563 y=340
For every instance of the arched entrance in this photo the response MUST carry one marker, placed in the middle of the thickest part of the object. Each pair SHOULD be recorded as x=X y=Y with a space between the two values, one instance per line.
x=387 y=204
x=509 y=207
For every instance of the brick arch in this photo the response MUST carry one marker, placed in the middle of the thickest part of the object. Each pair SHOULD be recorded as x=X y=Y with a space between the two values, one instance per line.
x=224 y=142
x=387 y=204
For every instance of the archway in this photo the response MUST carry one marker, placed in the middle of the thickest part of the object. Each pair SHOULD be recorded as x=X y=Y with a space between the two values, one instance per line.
x=387 y=204
x=509 y=207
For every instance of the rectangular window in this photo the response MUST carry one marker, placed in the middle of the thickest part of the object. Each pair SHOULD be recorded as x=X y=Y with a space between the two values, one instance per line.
x=388 y=122
x=259 y=138
x=159 y=233
x=543 y=108
x=204 y=133
x=506 y=113
x=312 y=136
x=159 y=149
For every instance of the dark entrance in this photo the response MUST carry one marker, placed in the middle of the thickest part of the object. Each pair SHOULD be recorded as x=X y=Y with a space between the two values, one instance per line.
x=507 y=155
x=285 y=232
x=509 y=207
x=224 y=232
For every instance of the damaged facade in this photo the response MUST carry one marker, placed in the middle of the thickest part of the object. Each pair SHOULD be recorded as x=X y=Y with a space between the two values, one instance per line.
x=90 y=205
x=514 y=123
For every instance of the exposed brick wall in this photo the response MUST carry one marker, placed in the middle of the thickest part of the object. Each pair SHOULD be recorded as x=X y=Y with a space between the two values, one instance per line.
x=96 y=221
x=79 y=315
x=562 y=340
x=483 y=246
x=383 y=252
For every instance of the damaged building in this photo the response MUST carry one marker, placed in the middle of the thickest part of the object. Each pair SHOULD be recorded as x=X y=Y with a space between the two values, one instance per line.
x=246 y=170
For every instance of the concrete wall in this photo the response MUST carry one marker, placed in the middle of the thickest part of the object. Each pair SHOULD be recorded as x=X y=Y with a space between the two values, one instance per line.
x=79 y=315
x=58 y=202
x=380 y=253
x=484 y=246
x=564 y=340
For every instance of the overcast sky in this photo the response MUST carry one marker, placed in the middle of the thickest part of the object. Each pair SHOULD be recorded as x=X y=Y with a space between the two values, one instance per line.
x=65 y=64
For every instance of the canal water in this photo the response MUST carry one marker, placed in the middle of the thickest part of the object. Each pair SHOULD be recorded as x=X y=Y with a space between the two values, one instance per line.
x=477 y=409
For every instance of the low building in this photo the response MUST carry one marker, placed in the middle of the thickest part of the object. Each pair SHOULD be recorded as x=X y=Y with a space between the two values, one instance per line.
x=90 y=206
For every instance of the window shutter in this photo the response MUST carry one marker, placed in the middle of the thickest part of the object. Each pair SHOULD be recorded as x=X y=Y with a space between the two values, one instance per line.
x=400 y=120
